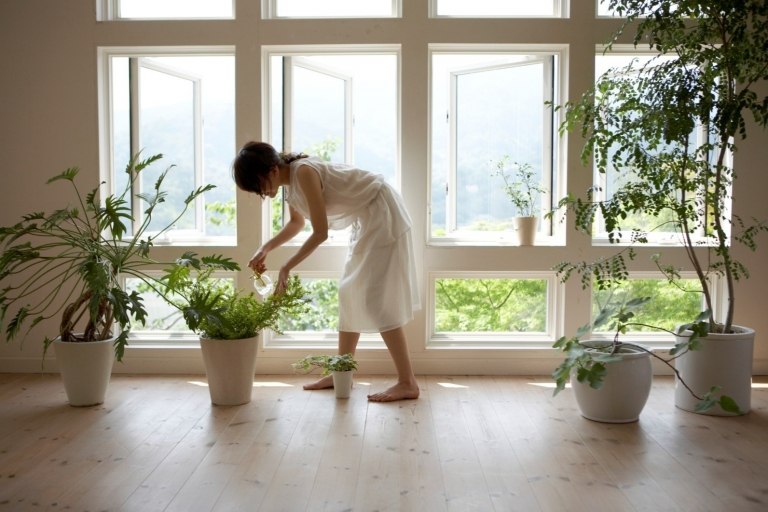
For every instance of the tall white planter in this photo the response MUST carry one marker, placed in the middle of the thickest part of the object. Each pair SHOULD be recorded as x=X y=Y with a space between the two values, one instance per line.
x=624 y=392
x=723 y=360
x=85 y=368
x=230 y=366
x=526 y=230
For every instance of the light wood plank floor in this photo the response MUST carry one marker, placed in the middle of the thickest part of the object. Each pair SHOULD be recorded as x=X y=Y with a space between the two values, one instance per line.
x=469 y=443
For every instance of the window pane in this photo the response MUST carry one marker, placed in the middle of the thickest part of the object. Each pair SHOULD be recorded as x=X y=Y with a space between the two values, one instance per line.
x=169 y=9
x=344 y=110
x=670 y=307
x=334 y=8
x=465 y=305
x=498 y=8
x=323 y=314
x=488 y=109
x=186 y=112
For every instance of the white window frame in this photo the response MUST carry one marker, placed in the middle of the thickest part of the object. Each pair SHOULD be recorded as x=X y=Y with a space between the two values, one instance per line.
x=269 y=11
x=106 y=134
x=665 y=239
x=560 y=9
x=547 y=235
x=335 y=238
x=109 y=10
x=506 y=340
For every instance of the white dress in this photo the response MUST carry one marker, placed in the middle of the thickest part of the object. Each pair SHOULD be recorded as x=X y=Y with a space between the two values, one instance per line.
x=378 y=289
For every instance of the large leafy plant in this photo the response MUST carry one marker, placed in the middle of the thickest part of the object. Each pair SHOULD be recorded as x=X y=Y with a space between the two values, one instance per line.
x=640 y=122
x=215 y=309
x=66 y=263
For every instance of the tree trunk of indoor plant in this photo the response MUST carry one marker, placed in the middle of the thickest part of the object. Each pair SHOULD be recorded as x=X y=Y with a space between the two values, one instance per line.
x=526 y=230
x=230 y=366
x=342 y=383
x=85 y=368
x=723 y=360
x=624 y=392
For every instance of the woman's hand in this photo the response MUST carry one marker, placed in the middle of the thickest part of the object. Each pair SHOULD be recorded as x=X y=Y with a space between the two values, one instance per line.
x=282 y=280
x=257 y=261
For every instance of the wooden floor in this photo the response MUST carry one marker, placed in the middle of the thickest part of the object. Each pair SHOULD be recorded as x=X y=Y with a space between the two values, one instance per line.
x=469 y=443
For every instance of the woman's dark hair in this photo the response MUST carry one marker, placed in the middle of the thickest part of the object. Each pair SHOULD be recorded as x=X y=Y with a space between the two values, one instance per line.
x=253 y=162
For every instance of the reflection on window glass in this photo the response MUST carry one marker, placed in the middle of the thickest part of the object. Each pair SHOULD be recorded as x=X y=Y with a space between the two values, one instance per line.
x=543 y=8
x=334 y=8
x=488 y=109
x=170 y=9
x=323 y=314
x=671 y=305
x=186 y=113
x=466 y=305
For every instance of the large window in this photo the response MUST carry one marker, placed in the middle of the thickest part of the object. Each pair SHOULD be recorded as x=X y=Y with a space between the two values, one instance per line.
x=181 y=106
x=341 y=106
x=487 y=108
x=500 y=8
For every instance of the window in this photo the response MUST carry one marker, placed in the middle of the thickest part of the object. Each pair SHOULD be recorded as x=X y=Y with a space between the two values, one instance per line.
x=180 y=106
x=166 y=9
x=488 y=107
x=499 y=8
x=341 y=106
x=492 y=310
x=671 y=305
x=331 y=9
x=660 y=228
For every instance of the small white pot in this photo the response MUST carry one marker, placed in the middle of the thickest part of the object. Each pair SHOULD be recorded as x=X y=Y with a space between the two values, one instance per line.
x=230 y=366
x=85 y=368
x=625 y=389
x=723 y=360
x=342 y=383
x=526 y=230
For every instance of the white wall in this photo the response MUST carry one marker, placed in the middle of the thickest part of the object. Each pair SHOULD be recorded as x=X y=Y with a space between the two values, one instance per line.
x=48 y=122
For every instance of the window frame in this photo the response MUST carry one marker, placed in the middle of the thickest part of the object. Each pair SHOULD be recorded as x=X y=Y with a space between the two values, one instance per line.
x=109 y=10
x=105 y=54
x=551 y=233
x=560 y=9
x=505 y=340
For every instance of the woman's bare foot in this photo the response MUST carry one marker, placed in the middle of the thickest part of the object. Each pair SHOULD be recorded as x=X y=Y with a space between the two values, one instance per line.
x=400 y=391
x=324 y=383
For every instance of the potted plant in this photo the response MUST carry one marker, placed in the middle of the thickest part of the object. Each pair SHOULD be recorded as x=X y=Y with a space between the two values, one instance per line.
x=227 y=320
x=66 y=264
x=611 y=379
x=523 y=190
x=341 y=367
x=666 y=131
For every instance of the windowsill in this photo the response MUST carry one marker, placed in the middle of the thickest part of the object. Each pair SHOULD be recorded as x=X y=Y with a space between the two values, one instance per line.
x=544 y=241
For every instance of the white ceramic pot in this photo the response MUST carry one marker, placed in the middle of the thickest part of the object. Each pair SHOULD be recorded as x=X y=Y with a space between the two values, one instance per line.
x=230 y=366
x=723 y=360
x=342 y=383
x=85 y=368
x=624 y=392
x=526 y=230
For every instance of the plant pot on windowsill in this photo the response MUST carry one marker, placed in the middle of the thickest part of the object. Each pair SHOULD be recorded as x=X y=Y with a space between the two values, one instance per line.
x=526 y=230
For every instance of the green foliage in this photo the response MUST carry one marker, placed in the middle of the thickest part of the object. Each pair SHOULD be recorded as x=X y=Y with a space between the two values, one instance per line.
x=222 y=213
x=521 y=186
x=323 y=308
x=67 y=263
x=639 y=123
x=214 y=310
x=328 y=364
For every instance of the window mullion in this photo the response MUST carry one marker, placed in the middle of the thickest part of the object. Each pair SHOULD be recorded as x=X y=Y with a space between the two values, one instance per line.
x=134 y=71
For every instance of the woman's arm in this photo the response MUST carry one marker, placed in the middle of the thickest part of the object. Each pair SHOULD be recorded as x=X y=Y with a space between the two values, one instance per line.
x=309 y=181
x=291 y=228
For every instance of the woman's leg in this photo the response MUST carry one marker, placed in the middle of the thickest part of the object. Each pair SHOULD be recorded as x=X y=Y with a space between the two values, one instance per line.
x=347 y=345
x=406 y=387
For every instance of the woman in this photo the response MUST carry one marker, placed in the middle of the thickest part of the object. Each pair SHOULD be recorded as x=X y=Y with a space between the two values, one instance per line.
x=377 y=291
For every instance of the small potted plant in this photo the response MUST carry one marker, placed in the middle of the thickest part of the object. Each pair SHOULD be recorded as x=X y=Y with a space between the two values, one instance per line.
x=67 y=264
x=227 y=320
x=611 y=379
x=524 y=191
x=341 y=367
